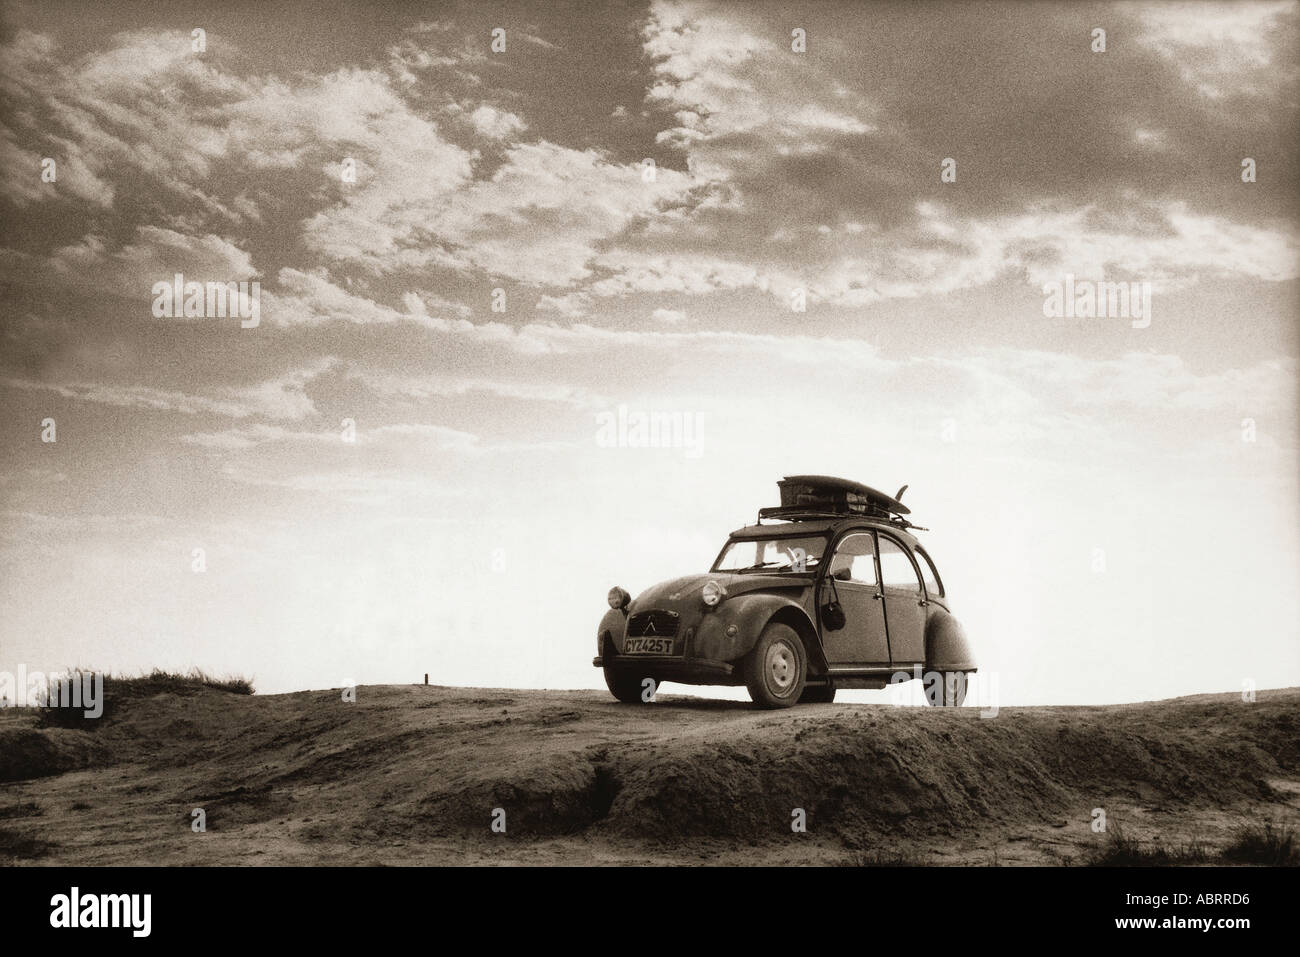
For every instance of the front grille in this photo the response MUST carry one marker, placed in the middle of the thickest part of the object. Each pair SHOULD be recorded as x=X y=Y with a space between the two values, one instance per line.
x=652 y=624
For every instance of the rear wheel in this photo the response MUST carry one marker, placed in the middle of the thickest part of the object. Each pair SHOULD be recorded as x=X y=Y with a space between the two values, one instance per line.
x=948 y=690
x=818 y=694
x=776 y=668
x=627 y=688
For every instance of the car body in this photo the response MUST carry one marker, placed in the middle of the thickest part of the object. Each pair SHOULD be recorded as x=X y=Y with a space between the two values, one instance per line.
x=794 y=609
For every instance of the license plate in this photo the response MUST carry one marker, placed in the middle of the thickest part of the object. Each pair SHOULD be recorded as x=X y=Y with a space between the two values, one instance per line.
x=648 y=646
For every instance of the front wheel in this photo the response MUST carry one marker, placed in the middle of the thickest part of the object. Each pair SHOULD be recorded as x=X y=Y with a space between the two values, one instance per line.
x=776 y=668
x=947 y=689
x=629 y=688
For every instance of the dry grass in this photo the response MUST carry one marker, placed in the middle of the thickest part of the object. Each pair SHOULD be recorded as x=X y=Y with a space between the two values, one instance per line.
x=1123 y=851
x=1262 y=845
x=119 y=688
x=1268 y=845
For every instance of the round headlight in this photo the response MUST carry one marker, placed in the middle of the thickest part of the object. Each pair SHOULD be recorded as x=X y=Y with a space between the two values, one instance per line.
x=618 y=597
x=712 y=593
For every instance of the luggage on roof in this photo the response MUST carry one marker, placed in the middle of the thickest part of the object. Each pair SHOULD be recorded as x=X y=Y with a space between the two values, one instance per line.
x=825 y=493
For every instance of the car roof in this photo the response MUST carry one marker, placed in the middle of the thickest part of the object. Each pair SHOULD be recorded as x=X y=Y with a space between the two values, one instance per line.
x=821 y=527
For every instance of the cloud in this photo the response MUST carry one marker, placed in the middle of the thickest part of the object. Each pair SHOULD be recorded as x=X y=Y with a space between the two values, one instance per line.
x=123 y=108
x=697 y=273
x=422 y=302
x=73 y=177
x=302 y=298
x=571 y=305
x=282 y=397
x=723 y=78
x=251 y=436
x=1223 y=49
x=779 y=138
x=138 y=396
x=496 y=124
x=943 y=252
x=669 y=316
x=434 y=385
x=156 y=254
x=777 y=193
x=247 y=437
x=576 y=198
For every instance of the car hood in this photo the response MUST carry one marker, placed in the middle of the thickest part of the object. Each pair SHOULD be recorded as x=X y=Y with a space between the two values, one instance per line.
x=684 y=591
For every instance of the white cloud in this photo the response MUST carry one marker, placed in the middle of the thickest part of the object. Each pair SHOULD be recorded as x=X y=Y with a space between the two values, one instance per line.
x=575 y=198
x=282 y=397
x=725 y=79
x=247 y=437
x=1220 y=48
x=496 y=124
x=156 y=254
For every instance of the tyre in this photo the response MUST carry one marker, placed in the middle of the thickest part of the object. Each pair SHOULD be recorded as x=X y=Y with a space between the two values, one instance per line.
x=626 y=687
x=818 y=694
x=949 y=691
x=776 y=668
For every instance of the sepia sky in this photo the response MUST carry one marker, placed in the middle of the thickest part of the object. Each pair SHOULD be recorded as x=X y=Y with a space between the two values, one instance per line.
x=1113 y=508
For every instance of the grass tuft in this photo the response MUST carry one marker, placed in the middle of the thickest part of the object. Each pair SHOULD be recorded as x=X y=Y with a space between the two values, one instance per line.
x=172 y=682
x=1123 y=851
x=881 y=857
x=120 y=688
x=1267 y=845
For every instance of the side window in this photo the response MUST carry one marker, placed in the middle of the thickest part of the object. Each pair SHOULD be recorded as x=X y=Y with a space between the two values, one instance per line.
x=896 y=568
x=856 y=555
x=932 y=583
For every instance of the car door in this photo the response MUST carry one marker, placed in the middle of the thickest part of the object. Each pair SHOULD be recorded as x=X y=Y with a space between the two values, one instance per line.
x=904 y=601
x=863 y=641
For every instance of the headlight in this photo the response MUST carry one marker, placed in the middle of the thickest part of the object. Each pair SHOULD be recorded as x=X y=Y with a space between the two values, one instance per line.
x=713 y=593
x=618 y=598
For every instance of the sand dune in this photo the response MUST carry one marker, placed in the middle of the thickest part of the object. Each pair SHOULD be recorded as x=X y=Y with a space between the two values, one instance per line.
x=412 y=774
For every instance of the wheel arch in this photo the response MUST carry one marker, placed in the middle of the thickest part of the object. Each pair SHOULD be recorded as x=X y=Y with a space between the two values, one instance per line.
x=613 y=623
x=795 y=617
x=946 y=646
x=748 y=615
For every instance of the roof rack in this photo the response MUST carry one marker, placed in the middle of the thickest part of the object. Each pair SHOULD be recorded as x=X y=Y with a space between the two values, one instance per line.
x=796 y=513
x=799 y=513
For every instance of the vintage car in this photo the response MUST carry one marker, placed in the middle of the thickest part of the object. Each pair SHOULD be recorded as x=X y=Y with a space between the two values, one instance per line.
x=831 y=591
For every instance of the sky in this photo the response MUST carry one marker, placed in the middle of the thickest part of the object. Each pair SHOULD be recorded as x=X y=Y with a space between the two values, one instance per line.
x=472 y=258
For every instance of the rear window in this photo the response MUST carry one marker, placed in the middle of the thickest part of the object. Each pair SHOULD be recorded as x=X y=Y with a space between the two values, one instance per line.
x=932 y=583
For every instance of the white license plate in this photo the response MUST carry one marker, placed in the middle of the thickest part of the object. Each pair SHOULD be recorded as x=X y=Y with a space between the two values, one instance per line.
x=648 y=646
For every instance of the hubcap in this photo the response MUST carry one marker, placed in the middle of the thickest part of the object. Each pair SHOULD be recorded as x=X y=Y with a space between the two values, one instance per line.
x=780 y=665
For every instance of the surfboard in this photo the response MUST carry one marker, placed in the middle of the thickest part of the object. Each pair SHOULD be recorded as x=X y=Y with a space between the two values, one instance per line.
x=837 y=494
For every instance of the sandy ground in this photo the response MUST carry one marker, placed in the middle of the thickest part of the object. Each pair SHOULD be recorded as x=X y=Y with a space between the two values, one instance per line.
x=412 y=775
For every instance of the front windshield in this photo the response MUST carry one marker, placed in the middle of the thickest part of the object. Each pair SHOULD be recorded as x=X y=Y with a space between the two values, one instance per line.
x=772 y=554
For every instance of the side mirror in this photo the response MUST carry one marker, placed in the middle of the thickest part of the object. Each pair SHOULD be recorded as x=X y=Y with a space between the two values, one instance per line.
x=843 y=575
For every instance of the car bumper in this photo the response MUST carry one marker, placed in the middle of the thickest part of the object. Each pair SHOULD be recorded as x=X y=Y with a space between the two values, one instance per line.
x=663 y=668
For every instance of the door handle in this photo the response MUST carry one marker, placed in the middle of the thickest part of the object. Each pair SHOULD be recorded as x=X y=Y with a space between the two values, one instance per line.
x=877 y=596
x=923 y=603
